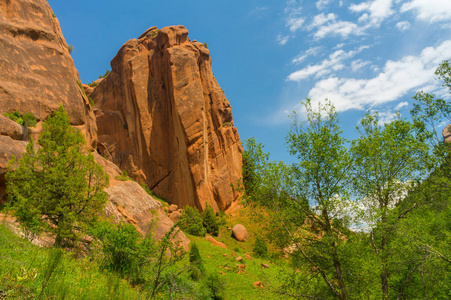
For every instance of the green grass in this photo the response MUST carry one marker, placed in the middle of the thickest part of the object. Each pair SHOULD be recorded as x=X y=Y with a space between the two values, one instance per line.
x=240 y=286
x=23 y=269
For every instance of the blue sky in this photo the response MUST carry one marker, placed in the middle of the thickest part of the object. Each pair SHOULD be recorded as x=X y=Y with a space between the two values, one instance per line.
x=270 y=55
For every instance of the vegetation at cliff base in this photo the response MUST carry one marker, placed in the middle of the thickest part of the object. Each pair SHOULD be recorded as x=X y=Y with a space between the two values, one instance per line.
x=56 y=186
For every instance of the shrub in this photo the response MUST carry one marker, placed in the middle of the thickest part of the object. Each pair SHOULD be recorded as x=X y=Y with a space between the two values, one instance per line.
x=70 y=48
x=123 y=177
x=210 y=221
x=26 y=119
x=29 y=120
x=205 y=44
x=260 y=248
x=105 y=75
x=196 y=266
x=191 y=221
x=124 y=250
x=214 y=286
x=93 y=84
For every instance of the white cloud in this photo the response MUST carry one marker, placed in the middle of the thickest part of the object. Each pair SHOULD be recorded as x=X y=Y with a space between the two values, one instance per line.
x=301 y=57
x=358 y=64
x=403 y=26
x=282 y=39
x=401 y=105
x=321 y=4
x=295 y=23
x=376 y=11
x=338 y=28
x=333 y=63
x=339 y=46
x=429 y=10
x=396 y=80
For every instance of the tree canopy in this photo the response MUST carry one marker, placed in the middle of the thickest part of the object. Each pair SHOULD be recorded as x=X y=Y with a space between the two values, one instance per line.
x=56 y=185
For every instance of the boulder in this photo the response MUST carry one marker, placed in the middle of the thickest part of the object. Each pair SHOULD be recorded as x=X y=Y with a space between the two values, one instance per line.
x=172 y=208
x=264 y=266
x=239 y=258
x=258 y=284
x=175 y=216
x=239 y=232
x=10 y=128
x=161 y=110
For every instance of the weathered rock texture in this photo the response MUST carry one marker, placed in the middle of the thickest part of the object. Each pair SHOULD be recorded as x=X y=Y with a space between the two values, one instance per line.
x=128 y=202
x=37 y=71
x=163 y=118
x=37 y=75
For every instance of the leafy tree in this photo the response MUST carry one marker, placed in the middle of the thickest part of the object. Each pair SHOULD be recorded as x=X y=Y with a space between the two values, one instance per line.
x=210 y=221
x=57 y=186
x=191 y=222
x=389 y=160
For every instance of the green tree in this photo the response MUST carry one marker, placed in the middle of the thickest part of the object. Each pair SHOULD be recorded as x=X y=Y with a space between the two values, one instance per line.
x=57 y=186
x=322 y=176
x=389 y=161
x=210 y=221
x=191 y=221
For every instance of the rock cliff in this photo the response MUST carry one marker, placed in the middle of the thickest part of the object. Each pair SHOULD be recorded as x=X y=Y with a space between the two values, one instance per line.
x=37 y=75
x=162 y=117
x=37 y=71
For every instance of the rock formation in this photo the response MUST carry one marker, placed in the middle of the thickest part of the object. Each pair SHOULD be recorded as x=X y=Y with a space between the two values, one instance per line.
x=163 y=118
x=37 y=75
x=37 y=71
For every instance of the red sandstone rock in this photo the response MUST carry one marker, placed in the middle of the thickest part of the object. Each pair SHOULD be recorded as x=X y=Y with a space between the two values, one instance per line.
x=161 y=111
x=215 y=242
x=239 y=232
x=37 y=71
x=129 y=202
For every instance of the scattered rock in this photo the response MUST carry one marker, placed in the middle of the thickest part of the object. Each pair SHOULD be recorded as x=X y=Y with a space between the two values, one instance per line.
x=233 y=254
x=215 y=242
x=265 y=266
x=242 y=267
x=173 y=208
x=248 y=256
x=225 y=255
x=239 y=258
x=175 y=216
x=239 y=232
x=258 y=284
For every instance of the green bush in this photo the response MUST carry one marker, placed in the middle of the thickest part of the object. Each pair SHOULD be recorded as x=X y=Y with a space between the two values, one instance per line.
x=210 y=221
x=124 y=250
x=123 y=177
x=214 y=286
x=191 y=222
x=26 y=119
x=70 y=48
x=260 y=248
x=93 y=84
x=196 y=266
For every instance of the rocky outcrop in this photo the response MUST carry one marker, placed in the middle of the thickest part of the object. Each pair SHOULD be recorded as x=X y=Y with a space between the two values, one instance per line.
x=37 y=75
x=163 y=118
x=37 y=71
x=128 y=202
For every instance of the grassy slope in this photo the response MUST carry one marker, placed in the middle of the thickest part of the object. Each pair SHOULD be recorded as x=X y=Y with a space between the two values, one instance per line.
x=22 y=270
x=240 y=286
